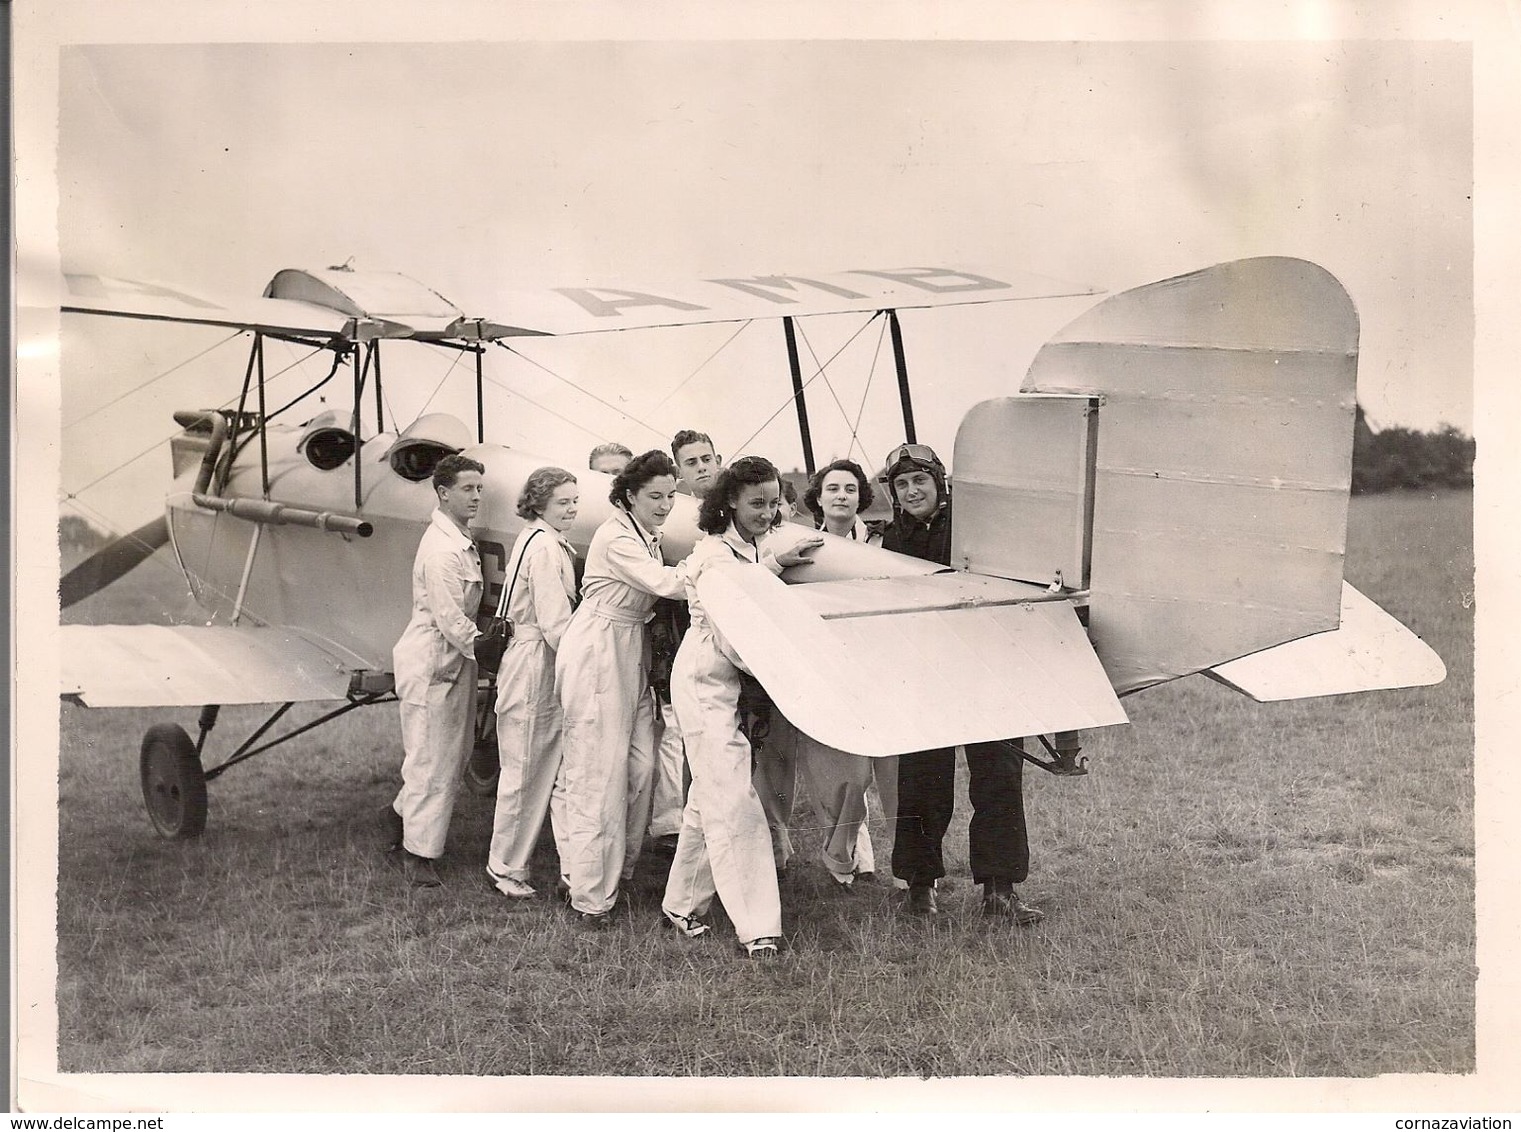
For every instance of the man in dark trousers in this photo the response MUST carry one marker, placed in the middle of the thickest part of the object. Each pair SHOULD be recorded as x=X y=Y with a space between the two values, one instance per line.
x=1000 y=849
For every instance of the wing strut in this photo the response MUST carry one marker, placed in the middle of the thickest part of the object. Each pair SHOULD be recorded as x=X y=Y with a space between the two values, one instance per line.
x=380 y=418
x=361 y=371
x=798 y=398
x=263 y=419
x=902 y=363
x=480 y=395
x=237 y=421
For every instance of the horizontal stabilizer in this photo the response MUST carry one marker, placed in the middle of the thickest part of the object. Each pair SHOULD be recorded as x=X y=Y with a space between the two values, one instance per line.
x=912 y=669
x=1370 y=650
x=191 y=665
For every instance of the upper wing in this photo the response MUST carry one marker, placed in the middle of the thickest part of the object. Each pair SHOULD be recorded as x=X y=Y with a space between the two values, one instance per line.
x=338 y=302
x=1370 y=650
x=124 y=298
x=886 y=666
x=582 y=310
x=323 y=303
x=191 y=665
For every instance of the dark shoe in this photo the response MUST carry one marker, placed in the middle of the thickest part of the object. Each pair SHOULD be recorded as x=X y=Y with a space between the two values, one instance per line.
x=921 y=901
x=391 y=829
x=1005 y=904
x=420 y=871
x=591 y=921
x=845 y=884
x=767 y=947
x=868 y=877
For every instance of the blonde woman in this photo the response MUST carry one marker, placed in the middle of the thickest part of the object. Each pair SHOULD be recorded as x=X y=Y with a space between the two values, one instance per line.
x=529 y=726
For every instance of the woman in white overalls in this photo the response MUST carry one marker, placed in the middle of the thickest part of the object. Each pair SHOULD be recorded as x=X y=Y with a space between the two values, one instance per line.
x=837 y=781
x=725 y=845
x=602 y=674
x=541 y=579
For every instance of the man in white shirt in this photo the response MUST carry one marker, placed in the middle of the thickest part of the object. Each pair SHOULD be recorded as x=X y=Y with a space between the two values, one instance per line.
x=436 y=672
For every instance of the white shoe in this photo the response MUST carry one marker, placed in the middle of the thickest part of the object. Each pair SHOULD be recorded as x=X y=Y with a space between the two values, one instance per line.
x=510 y=886
x=690 y=926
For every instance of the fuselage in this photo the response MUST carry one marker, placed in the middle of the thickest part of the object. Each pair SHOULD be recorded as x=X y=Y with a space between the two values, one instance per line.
x=356 y=591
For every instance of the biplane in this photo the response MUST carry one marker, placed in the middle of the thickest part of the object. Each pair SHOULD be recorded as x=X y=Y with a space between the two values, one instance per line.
x=1166 y=494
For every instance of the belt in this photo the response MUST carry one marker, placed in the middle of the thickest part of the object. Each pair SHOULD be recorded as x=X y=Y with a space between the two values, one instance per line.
x=621 y=616
x=526 y=633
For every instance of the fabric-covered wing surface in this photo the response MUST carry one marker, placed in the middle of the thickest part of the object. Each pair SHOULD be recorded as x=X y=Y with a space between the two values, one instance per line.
x=625 y=306
x=191 y=665
x=909 y=665
x=1370 y=650
x=125 y=298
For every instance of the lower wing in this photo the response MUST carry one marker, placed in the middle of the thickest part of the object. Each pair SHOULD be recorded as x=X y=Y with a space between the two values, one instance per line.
x=191 y=665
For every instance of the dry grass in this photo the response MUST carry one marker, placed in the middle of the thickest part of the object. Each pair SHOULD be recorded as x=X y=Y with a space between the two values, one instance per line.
x=1236 y=889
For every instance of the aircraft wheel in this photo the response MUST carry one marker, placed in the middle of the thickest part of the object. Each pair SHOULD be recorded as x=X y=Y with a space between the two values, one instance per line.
x=174 y=786
x=484 y=767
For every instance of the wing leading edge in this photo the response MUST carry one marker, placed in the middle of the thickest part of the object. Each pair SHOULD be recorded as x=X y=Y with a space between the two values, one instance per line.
x=921 y=664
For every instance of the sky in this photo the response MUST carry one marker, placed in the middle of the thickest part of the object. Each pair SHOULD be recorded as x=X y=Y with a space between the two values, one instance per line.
x=480 y=167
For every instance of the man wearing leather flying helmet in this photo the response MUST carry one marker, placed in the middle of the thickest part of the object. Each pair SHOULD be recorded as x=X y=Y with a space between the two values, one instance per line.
x=1000 y=849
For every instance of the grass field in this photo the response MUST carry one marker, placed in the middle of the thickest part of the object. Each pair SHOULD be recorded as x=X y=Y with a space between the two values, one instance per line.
x=1235 y=890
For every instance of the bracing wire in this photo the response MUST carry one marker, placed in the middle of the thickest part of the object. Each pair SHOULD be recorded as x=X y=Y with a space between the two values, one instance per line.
x=457 y=356
x=161 y=441
x=829 y=385
x=783 y=406
x=701 y=365
x=505 y=388
x=586 y=392
x=158 y=377
x=870 y=375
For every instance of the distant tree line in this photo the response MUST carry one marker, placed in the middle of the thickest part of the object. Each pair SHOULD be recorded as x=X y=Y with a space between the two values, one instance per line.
x=1399 y=457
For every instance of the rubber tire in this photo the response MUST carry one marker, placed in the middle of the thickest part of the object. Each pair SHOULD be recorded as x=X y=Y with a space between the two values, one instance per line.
x=174 y=785
x=484 y=767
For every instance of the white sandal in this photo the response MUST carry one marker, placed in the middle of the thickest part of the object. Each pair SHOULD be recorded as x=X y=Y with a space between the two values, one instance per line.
x=510 y=886
x=766 y=947
x=689 y=926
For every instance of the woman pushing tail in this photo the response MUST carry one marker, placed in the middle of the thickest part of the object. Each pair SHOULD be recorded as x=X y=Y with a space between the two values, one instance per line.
x=725 y=845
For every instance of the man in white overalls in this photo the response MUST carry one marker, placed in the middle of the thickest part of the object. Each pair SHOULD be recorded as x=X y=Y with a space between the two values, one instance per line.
x=436 y=672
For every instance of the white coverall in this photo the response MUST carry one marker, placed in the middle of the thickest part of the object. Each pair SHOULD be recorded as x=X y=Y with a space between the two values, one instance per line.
x=837 y=783
x=528 y=718
x=602 y=674
x=435 y=670
x=725 y=845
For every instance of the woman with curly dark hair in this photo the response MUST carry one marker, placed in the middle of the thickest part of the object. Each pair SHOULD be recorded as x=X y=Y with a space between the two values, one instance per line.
x=602 y=674
x=725 y=846
x=542 y=596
